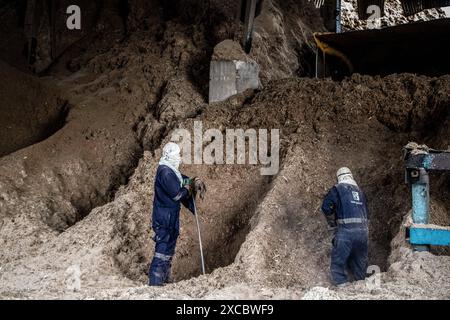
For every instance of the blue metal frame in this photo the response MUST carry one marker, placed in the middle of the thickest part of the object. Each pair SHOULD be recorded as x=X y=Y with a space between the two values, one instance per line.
x=429 y=236
x=417 y=167
x=338 y=16
x=420 y=202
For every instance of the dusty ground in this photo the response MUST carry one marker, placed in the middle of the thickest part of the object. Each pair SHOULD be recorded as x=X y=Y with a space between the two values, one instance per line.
x=27 y=118
x=81 y=198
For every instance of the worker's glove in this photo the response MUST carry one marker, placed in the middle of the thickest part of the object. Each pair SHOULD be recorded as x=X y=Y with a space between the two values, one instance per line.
x=332 y=230
x=332 y=225
x=189 y=185
x=199 y=187
x=195 y=186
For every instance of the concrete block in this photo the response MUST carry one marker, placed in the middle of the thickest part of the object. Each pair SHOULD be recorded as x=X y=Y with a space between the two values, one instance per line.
x=230 y=77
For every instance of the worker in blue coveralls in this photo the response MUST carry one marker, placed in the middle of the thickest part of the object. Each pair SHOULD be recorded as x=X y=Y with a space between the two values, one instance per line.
x=345 y=208
x=171 y=189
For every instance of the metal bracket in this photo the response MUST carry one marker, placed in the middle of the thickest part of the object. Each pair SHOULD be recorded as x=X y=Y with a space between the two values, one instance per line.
x=419 y=161
x=437 y=236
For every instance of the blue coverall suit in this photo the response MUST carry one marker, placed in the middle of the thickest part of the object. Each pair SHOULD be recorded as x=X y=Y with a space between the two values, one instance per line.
x=350 y=244
x=165 y=221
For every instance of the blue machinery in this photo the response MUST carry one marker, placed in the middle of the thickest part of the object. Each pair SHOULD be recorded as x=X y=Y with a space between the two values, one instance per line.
x=420 y=160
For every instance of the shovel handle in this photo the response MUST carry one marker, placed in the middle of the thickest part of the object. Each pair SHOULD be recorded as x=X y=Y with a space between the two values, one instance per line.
x=199 y=236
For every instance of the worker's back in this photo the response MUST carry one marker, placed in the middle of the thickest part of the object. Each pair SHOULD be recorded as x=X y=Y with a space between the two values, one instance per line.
x=167 y=186
x=352 y=205
x=345 y=205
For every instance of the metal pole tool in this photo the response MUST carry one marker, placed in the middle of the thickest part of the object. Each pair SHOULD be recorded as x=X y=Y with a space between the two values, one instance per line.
x=199 y=236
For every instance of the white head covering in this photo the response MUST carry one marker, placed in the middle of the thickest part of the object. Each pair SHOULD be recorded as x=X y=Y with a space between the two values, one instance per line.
x=171 y=158
x=344 y=175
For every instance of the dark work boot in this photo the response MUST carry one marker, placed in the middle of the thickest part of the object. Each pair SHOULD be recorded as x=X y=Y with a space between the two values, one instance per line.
x=156 y=273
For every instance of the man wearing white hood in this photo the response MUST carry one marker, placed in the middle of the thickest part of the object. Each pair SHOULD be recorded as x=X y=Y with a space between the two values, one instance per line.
x=345 y=208
x=171 y=189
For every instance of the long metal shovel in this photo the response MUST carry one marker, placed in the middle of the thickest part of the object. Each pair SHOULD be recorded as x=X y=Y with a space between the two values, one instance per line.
x=199 y=236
